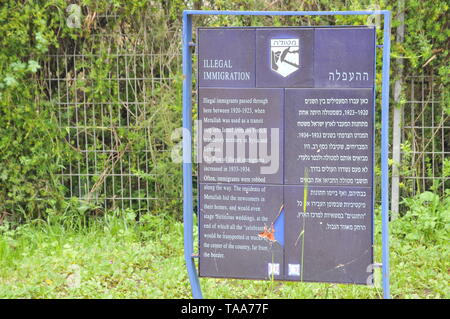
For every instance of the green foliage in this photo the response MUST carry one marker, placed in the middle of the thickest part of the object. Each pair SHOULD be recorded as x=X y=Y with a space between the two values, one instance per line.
x=34 y=149
x=116 y=256
x=113 y=257
x=427 y=220
x=31 y=148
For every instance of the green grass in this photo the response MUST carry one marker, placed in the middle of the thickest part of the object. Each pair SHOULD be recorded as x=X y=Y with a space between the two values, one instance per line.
x=119 y=258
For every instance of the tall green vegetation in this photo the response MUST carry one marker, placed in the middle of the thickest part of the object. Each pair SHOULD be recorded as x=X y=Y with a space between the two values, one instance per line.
x=31 y=148
x=34 y=149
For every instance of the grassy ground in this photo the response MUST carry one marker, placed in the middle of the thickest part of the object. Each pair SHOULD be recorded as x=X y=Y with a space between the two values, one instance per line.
x=116 y=257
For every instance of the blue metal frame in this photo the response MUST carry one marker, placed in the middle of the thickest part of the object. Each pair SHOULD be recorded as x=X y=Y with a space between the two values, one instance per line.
x=187 y=130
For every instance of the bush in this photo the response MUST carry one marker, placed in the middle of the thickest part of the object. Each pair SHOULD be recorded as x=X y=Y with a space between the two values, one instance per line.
x=32 y=151
x=427 y=220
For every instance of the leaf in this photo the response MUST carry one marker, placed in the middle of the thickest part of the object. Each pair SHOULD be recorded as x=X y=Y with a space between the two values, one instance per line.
x=18 y=66
x=428 y=197
x=33 y=66
x=10 y=80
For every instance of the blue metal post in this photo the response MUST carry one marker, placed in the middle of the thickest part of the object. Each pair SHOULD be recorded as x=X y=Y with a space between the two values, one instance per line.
x=187 y=158
x=385 y=152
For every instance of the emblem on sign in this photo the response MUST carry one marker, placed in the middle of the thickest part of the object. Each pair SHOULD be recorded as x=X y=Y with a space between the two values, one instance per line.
x=285 y=56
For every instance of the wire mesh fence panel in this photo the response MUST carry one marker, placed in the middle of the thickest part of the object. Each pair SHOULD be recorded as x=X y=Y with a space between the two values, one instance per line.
x=107 y=95
x=117 y=97
x=425 y=139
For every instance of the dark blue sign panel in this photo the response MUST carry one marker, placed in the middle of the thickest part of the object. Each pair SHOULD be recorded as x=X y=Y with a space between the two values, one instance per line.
x=329 y=136
x=285 y=153
x=344 y=57
x=226 y=57
x=231 y=218
x=240 y=133
x=328 y=234
x=284 y=57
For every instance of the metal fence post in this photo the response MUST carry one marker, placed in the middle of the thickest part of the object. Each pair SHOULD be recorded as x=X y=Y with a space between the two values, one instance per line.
x=396 y=120
x=187 y=158
x=385 y=152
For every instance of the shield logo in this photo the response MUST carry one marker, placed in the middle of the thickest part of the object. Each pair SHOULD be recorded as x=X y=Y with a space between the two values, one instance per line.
x=284 y=56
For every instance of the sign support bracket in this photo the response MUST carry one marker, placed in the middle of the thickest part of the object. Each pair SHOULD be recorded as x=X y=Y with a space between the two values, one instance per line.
x=188 y=211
